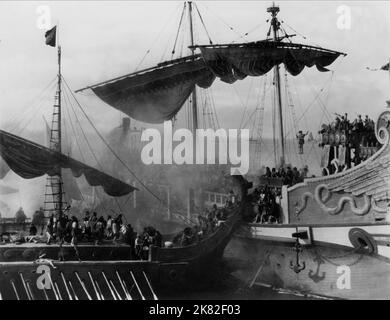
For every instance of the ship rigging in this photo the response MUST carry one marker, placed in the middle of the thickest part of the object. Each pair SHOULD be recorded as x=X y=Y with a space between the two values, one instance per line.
x=157 y=94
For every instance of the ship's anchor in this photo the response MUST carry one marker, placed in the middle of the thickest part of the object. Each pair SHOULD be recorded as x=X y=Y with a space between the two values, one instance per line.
x=297 y=267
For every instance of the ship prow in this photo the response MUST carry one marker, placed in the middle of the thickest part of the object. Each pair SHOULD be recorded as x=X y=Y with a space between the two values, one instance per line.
x=359 y=194
x=332 y=237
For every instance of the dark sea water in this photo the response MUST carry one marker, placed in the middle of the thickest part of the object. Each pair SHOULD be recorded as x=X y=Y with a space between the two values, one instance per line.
x=230 y=288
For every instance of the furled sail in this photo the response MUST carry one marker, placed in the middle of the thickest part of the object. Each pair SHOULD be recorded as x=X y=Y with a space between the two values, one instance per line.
x=234 y=62
x=30 y=160
x=156 y=94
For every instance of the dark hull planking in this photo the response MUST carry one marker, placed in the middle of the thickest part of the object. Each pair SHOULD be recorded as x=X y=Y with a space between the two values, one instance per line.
x=325 y=272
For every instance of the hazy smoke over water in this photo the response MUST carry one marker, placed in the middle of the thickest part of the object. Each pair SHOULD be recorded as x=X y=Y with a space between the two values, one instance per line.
x=126 y=143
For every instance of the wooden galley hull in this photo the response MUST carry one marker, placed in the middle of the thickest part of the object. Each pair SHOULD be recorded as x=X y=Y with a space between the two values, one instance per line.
x=166 y=269
x=334 y=239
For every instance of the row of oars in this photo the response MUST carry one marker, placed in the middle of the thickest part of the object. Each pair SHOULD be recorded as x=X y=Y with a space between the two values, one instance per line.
x=71 y=293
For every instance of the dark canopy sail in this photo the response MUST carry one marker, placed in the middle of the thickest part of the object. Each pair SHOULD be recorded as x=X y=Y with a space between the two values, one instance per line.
x=155 y=95
x=234 y=62
x=30 y=160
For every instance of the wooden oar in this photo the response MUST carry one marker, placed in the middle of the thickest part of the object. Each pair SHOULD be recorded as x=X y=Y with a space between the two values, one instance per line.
x=136 y=284
x=66 y=286
x=150 y=287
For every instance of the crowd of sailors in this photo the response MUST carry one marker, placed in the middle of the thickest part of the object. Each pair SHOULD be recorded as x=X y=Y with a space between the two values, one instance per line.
x=208 y=222
x=288 y=175
x=266 y=198
x=357 y=132
x=91 y=228
x=265 y=201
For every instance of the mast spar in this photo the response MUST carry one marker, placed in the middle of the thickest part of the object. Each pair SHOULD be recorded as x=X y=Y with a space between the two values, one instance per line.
x=275 y=27
x=55 y=182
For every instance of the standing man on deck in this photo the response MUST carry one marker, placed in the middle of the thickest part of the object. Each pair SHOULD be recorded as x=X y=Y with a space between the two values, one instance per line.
x=301 y=140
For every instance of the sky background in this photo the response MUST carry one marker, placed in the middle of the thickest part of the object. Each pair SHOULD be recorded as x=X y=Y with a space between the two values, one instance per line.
x=101 y=40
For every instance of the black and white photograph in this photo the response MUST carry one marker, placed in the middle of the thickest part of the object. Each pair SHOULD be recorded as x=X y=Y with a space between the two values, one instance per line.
x=206 y=151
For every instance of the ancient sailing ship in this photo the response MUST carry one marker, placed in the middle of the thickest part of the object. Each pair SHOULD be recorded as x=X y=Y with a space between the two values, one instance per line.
x=333 y=234
x=332 y=238
x=90 y=271
x=331 y=227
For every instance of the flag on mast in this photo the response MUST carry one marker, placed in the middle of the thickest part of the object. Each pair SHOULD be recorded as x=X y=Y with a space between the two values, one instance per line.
x=50 y=36
x=386 y=67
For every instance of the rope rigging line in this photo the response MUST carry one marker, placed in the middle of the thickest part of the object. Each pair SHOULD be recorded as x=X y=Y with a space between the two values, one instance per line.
x=157 y=38
x=292 y=29
x=313 y=144
x=246 y=102
x=32 y=104
x=209 y=92
x=65 y=138
x=66 y=100
x=84 y=134
x=184 y=41
x=264 y=80
x=179 y=28
x=219 y=18
x=69 y=103
x=293 y=119
x=204 y=26
x=87 y=141
x=310 y=85
x=321 y=104
x=310 y=104
x=20 y=127
x=324 y=114
x=107 y=145
x=258 y=122
x=297 y=98
x=250 y=31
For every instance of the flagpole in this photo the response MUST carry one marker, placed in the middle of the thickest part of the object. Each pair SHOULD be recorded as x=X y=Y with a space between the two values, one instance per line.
x=55 y=181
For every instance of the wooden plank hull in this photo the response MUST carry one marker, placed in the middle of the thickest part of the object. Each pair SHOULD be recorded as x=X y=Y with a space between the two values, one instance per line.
x=167 y=268
x=335 y=269
x=87 y=252
x=16 y=276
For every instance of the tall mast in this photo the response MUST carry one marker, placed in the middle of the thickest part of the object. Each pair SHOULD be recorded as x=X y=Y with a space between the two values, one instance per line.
x=275 y=27
x=59 y=145
x=193 y=97
x=55 y=182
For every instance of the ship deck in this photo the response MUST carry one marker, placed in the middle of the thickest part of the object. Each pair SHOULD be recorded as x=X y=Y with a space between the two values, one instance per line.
x=65 y=245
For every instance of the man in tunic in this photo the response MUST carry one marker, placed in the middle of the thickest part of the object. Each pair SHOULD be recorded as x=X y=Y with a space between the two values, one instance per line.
x=301 y=140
